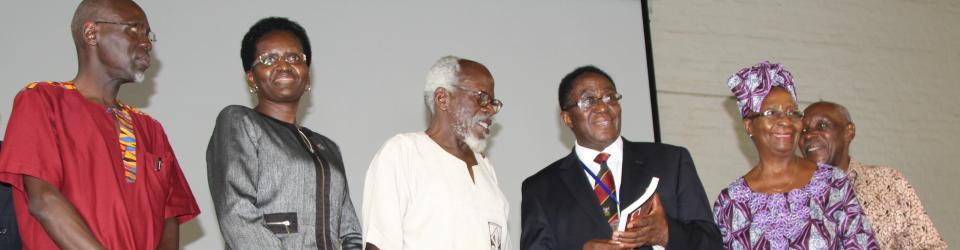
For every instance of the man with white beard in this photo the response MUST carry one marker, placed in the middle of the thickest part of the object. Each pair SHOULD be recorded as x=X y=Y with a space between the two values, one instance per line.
x=417 y=194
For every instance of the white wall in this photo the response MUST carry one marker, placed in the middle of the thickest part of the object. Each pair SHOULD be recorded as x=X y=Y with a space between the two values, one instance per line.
x=893 y=63
x=370 y=59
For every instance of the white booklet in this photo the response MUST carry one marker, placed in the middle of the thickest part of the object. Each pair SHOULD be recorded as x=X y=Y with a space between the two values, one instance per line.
x=625 y=213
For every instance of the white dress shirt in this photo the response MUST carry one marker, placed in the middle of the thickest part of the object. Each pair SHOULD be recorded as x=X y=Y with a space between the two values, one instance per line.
x=615 y=162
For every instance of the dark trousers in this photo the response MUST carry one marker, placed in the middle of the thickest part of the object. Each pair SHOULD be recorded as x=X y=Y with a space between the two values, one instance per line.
x=9 y=233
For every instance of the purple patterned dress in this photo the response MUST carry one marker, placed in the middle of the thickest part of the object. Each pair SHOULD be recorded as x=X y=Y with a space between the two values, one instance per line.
x=824 y=214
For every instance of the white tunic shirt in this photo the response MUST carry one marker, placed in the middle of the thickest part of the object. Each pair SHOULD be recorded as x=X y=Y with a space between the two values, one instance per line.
x=418 y=196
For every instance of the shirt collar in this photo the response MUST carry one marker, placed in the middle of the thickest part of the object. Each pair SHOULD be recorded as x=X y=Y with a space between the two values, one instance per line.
x=853 y=170
x=587 y=155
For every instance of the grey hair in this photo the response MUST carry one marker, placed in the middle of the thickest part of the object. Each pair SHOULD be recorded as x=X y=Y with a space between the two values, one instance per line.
x=443 y=74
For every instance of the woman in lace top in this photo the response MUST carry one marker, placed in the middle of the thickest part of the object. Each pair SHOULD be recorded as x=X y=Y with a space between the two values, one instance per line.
x=785 y=201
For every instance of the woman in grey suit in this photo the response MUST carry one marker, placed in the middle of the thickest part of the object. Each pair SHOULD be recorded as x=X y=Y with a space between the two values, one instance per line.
x=274 y=183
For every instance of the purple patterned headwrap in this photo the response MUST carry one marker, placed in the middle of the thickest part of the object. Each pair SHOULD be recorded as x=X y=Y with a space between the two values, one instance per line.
x=751 y=85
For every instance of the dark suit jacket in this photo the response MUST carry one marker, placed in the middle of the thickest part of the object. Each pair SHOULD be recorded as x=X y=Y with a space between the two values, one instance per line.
x=9 y=233
x=560 y=211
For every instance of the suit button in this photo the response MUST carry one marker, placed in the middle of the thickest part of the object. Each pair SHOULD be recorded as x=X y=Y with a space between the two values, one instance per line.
x=3 y=230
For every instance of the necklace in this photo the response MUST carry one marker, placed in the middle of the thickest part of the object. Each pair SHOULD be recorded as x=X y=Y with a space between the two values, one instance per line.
x=785 y=187
x=793 y=169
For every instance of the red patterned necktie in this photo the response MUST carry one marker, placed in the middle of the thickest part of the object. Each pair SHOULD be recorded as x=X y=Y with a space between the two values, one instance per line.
x=609 y=206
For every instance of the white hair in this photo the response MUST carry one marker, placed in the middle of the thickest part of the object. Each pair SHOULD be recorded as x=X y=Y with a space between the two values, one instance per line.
x=443 y=74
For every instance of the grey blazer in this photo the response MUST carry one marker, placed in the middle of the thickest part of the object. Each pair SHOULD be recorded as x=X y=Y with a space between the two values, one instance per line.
x=270 y=192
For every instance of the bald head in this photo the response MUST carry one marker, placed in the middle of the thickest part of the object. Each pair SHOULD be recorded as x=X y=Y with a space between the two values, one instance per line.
x=472 y=71
x=829 y=107
x=95 y=10
x=450 y=72
x=828 y=130
x=459 y=93
x=113 y=42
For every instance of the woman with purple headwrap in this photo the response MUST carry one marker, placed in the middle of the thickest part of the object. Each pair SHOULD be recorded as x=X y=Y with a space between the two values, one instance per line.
x=785 y=201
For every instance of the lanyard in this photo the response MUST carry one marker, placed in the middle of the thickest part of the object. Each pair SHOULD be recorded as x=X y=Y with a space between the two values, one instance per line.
x=602 y=185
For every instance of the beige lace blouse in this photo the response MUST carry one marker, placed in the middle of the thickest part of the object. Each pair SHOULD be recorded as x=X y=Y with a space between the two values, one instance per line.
x=893 y=207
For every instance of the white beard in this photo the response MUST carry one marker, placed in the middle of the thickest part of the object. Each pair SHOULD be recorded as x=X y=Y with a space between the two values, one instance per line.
x=464 y=128
x=138 y=77
x=475 y=143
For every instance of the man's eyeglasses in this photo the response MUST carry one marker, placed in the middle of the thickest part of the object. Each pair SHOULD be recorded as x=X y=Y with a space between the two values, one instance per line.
x=792 y=114
x=586 y=103
x=484 y=99
x=137 y=29
x=268 y=59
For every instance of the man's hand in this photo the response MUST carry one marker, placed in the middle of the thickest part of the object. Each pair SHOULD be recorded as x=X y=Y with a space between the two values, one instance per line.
x=647 y=226
x=171 y=235
x=598 y=244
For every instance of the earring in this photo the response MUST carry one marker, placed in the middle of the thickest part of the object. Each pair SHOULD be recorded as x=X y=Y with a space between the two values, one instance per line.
x=309 y=87
x=254 y=89
x=751 y=135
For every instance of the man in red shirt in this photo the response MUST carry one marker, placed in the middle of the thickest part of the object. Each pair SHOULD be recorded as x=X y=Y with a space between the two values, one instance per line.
x=89 y=172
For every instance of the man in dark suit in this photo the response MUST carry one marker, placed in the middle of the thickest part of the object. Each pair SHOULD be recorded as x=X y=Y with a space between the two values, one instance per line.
x=9 y=235
x=573 y=202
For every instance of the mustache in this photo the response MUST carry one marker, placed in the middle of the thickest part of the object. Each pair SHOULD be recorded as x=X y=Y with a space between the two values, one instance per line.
x=478 y=118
